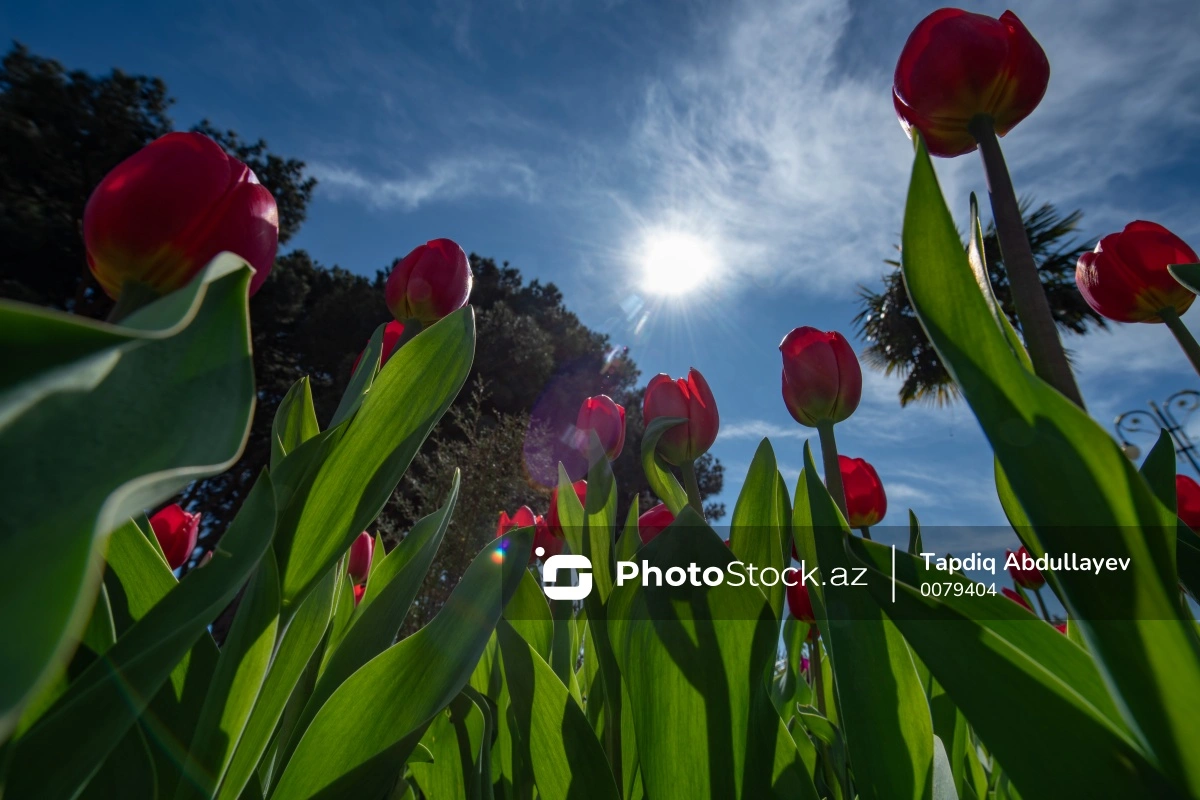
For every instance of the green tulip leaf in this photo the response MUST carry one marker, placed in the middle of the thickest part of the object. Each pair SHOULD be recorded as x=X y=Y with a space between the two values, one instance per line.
x=368 y=726
x=762 y=521
x=1188 y=276
x=67 y=745
x=1049 y=449
x=355 y=479
x=295 y=421
x=142 y=408
x=662 y=480
x=456 y=748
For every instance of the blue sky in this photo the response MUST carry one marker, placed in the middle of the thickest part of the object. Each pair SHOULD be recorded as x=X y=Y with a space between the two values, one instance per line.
x=563 y=135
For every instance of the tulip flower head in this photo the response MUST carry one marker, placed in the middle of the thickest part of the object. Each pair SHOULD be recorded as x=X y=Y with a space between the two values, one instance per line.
x=544 y=538
x=391 y=337
x=430 y=282
x=689 y=399
x=361 y=552
x=822 y=380
x=162 y=214
x=655 y=521
x=359 y=590
x=176 y=531
x=865 y=500
x=1125 y=278
x=799 y=603
x=1187 y=499
x=957 y=65
x=1016 y=598
x=604 y=416
x=1026 y=577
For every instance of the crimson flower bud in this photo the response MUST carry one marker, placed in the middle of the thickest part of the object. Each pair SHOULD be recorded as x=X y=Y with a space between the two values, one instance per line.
x=821 y=376
x=1187 y=494
x=176 y=531
x=1016 y=598
x=552 y=520
x=799 y=603
x=162 y=214
x=1125 y=278
x=865 y=501
x=391 y=335
x=359 y=566
x=604 y=416
x=521 y=518
x=687 y=398
x=359 y=590
x=1061 y=628
x=1028 y=577
x=429 y=283
x=550 y=544
x=956 y=66
x=654 y=522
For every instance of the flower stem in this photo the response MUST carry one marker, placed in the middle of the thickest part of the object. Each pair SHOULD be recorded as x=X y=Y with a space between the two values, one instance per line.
x=814 y=664
x=1045 y=612
x=692 y=486
x=1033 y=310
x=865 y=531
x=134 y=295
x=833 y=471
x=1182 y=335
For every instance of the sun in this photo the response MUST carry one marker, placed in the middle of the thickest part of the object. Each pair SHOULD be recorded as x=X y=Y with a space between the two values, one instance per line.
x=675 y=262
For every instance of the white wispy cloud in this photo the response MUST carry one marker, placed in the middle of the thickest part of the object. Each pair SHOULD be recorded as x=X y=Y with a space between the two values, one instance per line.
x=500 y=175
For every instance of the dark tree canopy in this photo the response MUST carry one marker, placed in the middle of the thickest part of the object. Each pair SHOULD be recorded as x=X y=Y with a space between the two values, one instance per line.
x=899 y=345
x=61 y=132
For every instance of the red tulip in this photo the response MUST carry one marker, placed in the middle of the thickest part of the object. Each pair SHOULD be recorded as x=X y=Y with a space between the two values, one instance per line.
x=544 y=538
x=359 y=590
x=1187 y=493
x=521 y=518
x=654 y=522
x=552 y=520
x=176 y=531
x=391 y=335
x=956 y=66
x=1027 y=577
x=865 y=500
x=1016 y=598
x=162 y=214
x=604 y=416
x=1125 y=278
x=429 y=283
x=821 y=376
x=1061 y=628
x=799 y=603
x=687 y=398
x=359 y=566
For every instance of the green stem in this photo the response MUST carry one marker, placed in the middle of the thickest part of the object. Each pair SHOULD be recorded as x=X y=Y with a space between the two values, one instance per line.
x=833 y=471
x=1188 y=342
x=692 y=486
x=866 y=532
x=1033 y=310
x=814 y=664
x=1045 y=612
x=134 y=295
x=411 y=328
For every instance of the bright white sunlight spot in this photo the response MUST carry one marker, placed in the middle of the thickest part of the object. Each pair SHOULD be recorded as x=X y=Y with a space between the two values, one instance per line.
x=675 y=263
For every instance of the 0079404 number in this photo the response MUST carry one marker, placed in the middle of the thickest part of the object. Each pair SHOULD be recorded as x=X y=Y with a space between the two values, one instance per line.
x=956 y=589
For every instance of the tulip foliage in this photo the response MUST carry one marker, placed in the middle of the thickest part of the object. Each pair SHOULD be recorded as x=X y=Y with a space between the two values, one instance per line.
x=876 y=687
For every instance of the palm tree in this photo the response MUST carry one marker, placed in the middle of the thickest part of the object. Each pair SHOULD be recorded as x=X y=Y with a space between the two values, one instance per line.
x=898 y=344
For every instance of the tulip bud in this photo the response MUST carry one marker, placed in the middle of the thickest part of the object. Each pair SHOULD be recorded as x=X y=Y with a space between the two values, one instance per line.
x=654 y=522
x=162 y=214
x=799 y=603
x=552 y=520
x=1016 y=598
x=429 y=283
x=545 y=539
x=1125 y=278
x=821 y=376
x=359 y=590
x=359 y=566
x=1027 y=577
x=176 y=531
x=602 y=415
x=687 y=398
x=866 y=503
x=1061 y=628
x=391 y=336
x=956 y=66
x=522 y=518
x=1187 y=494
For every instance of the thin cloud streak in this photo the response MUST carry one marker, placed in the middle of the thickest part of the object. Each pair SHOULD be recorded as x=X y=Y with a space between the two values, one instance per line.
x=448 y=179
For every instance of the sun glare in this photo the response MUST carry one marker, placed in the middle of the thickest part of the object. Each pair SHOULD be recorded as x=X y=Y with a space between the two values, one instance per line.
x=674 y=263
